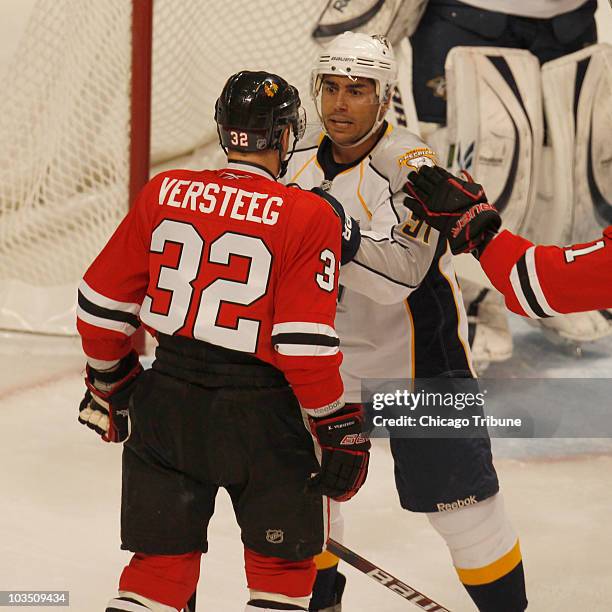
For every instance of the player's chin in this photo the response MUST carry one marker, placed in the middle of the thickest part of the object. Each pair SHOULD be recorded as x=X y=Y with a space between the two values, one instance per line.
x=343 y=137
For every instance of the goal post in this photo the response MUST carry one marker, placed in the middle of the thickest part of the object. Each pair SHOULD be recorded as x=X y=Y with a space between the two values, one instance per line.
x=74 y=122
x=140 y=103
x=64 y=156
x=100 y=94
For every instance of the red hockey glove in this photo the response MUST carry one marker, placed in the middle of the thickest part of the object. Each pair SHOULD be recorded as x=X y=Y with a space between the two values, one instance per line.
x=476 y=227
x=105 y=405
x=458 y=209
x=345 y=451
x=351 y=235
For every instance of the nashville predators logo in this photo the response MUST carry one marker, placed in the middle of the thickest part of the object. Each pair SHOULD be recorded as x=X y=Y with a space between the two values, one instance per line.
x=416 y=158
x=270 y=89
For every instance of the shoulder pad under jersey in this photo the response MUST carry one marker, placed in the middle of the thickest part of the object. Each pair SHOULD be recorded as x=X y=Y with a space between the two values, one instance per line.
x=398 y=153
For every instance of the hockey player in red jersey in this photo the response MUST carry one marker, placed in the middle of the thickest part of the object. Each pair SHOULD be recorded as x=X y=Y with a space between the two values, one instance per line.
x=536 y=281
x=237 y=276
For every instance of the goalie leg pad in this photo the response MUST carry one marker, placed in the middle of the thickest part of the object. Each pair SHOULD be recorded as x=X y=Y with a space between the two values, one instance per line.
x=488 y=331
x=576 y=328
x=577 y=89
x=495 y=126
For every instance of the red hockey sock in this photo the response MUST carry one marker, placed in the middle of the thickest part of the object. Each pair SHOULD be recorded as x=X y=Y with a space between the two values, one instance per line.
x=168 y=579
x=275 y=575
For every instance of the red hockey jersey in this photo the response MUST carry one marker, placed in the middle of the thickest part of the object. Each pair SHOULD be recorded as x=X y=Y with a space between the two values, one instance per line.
x=544 y=281
x=230 y=257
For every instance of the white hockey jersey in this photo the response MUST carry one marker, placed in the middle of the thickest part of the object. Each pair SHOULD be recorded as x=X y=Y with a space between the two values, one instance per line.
x=400 y=312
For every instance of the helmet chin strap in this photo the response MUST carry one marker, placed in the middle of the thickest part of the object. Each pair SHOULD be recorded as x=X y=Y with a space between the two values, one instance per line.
x=221 y=140
x=357 y=142
x=284 y=163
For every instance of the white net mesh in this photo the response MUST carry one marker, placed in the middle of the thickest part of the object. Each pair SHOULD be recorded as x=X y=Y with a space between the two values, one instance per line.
x=195 y=51
x=63 y=128
x=64 y=125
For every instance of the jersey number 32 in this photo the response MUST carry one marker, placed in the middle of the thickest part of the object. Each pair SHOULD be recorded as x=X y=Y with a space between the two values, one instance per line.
x=179 y=281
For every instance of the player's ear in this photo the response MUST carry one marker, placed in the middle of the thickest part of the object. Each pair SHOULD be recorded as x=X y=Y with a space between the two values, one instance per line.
x=384 y=107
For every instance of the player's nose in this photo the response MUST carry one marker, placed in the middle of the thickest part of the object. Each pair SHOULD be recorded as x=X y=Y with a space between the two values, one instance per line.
x=340 y=101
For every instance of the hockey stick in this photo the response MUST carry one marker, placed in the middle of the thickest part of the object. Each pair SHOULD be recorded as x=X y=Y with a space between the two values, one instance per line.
x=391 y=582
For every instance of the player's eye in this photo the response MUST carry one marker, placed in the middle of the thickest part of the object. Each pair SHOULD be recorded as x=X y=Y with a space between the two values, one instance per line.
x=356 y=92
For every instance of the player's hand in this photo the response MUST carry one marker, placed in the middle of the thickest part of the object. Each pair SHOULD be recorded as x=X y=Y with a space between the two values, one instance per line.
x=105 y=405
x=351 y=236
x=458 y=209
x=345 y=449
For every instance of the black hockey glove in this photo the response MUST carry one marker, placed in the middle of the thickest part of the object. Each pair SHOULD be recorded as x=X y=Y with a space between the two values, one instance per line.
x=351 y=236
x=458 y=209
x=105 y=405
x=345 y=449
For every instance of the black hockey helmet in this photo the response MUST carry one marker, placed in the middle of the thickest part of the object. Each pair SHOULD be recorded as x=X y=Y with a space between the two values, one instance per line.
x=253 y=110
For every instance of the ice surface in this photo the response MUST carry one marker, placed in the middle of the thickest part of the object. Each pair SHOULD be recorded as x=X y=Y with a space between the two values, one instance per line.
x=61 y=486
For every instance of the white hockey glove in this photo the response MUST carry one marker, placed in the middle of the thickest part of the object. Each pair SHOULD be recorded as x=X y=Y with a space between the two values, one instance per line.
x=105 y=405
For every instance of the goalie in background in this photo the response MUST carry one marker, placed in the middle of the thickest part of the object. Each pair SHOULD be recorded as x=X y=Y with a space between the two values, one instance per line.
x=536 y=281
x=212 y=262
x=483 y=70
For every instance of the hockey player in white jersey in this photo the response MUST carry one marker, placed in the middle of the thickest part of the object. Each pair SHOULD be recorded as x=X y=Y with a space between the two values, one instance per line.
x=400 y=315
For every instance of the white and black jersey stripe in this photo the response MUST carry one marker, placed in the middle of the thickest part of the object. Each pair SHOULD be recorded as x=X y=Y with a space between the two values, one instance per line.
x=301 y=339
x=96 y=309
x=527 y=288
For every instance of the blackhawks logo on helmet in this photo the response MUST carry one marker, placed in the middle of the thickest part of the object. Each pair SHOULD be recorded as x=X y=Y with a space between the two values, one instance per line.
x=270 y=88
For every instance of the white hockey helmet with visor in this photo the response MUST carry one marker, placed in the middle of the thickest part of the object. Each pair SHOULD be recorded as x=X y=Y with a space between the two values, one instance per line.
x=352 y=55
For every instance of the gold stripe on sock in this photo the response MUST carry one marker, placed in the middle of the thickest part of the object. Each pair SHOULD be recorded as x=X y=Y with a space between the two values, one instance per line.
x=325 y=560
x=494 y=571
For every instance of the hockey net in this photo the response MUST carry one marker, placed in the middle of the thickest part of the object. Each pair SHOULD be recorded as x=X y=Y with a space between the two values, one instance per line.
x=65 y=149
